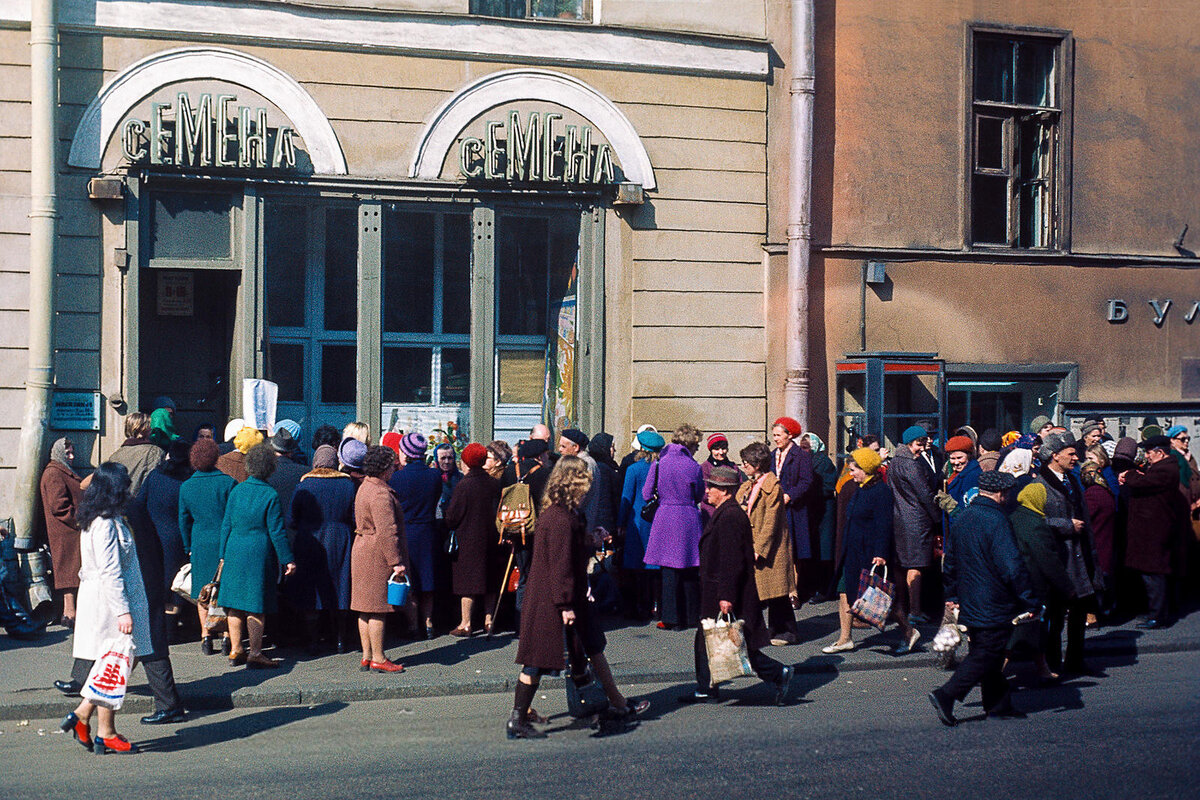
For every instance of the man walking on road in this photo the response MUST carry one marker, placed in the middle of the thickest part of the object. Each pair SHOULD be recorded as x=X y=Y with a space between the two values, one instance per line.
x=987 y=582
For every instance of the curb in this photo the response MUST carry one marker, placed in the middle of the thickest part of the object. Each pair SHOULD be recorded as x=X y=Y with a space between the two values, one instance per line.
x=50 y=704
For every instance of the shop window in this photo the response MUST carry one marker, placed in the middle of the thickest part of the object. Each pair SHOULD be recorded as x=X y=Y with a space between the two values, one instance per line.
x=1016 y=141
x=426 y=315
x=998 y=402
x=191 y=226
x=310 y=290
x=522 y=9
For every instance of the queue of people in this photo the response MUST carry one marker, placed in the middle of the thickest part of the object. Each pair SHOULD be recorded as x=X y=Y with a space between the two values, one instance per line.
x=688 y=541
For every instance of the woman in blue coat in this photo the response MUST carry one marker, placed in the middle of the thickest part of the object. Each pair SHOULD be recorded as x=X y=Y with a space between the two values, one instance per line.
x=419 y=489
x=866 y=543
x=636 y=573
x=160 y=493
x=323 y=517
x=794 y=468
x=202 y=501
x=253 y=544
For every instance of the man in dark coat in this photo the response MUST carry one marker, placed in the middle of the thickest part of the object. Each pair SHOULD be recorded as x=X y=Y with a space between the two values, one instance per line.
x=986 y=580
x=288 y=472
x=727 y=586
x=1157 y=513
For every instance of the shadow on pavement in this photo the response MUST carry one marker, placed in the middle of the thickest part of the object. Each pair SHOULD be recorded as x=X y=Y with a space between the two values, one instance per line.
x=194 y=736
x=222 y=684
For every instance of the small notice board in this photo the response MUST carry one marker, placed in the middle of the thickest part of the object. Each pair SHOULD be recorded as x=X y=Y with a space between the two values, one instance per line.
x=75 y=411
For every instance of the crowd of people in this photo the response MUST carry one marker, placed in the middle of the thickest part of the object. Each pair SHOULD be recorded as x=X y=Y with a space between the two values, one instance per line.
x=983 y=530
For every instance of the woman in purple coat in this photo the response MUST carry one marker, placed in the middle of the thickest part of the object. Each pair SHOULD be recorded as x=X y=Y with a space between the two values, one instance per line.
x=674 y=541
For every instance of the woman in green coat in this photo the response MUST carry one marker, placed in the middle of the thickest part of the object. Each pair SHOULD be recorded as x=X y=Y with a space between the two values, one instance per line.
x=252 y=538
x=202 y=500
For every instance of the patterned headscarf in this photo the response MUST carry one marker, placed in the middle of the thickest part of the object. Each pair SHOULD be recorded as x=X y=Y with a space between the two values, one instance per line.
x=58 y=452
x=817 y=445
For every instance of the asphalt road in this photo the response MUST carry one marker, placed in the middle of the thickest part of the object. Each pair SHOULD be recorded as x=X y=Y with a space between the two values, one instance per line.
x=1132 y=734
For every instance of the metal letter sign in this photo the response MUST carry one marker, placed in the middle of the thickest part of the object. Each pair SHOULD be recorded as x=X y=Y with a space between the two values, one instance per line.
x=543 y=151
x=1117 y=311
x=209 y=132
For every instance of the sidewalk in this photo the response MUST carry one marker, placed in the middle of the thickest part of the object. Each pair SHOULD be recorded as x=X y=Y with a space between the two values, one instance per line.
x=448 y=666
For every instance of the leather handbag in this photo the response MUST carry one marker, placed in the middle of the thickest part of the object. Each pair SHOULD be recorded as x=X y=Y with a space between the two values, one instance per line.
x=208 y=599
x=651 y=506
x=585 y=695
x=182 y=583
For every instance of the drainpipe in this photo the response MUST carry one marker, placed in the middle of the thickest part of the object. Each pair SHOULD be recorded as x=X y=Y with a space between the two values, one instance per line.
x=43 y=108
x=799 y=229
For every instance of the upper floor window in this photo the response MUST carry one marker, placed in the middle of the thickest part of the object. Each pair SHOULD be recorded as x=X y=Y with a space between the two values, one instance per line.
x=1016 y=153
x=544 y=9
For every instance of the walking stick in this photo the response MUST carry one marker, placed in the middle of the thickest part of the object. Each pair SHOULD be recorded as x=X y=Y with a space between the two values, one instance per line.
x=512 y=554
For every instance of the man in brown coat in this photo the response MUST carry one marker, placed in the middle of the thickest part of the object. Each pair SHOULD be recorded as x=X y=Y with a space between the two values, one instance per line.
x=727 y=587
x=1157 y=512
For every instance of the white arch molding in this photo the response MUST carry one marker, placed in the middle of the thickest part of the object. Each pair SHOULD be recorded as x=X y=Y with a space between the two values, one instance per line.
x=147 y=76
x=508 y=86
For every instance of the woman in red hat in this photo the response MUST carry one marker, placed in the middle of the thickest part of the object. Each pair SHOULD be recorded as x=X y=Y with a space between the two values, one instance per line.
x=794 y=468
x=718 y=456
x=471 y=514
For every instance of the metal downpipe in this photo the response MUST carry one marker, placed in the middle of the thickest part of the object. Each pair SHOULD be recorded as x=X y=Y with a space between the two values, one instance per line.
x=39 y=382
x=799 y=229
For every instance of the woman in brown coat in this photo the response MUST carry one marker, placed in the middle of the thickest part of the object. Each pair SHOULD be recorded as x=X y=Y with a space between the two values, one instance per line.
x=762 y=498
x=60 y=495
x=471 y=514
x=556 y=597
x=378 y=554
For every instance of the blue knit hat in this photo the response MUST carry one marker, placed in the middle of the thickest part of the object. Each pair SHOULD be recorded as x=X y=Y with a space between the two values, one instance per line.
x=912 y=433
x=1175 y=430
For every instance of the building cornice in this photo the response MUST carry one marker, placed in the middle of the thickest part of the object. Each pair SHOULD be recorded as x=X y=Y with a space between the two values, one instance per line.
x=435 y=35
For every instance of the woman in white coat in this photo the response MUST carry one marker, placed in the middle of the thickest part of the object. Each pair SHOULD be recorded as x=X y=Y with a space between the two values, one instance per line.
x=112 y=597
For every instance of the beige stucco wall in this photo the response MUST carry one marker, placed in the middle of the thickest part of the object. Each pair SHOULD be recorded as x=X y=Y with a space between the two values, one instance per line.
x=686 y=317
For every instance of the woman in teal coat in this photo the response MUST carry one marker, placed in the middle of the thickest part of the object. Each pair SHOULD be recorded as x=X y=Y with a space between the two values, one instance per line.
x=202 y=500
x=252 y=538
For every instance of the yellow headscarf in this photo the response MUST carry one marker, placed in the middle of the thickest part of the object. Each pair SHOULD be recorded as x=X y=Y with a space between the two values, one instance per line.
x=247 y=438
x=868 y=460
x=1033 y=497
x=1009 y=438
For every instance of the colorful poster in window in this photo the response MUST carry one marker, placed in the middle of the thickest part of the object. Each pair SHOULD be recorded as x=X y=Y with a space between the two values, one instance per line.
x=560 y=379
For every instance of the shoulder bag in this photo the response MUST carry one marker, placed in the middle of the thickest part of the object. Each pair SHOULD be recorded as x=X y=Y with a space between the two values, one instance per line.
x=651 y=506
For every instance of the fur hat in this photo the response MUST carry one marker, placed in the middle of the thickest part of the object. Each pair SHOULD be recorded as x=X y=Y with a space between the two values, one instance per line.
x=247 y=438
x=995 y=481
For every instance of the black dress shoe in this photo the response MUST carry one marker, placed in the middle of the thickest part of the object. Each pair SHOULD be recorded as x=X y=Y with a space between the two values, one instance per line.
x=782 y=685
x=944 y=706
x=694 y=698
x=69 y=688
x=165 y=716
x=1150 y=624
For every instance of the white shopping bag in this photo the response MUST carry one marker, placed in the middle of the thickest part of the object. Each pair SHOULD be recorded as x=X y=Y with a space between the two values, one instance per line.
x=259 y=398
x=105 y=685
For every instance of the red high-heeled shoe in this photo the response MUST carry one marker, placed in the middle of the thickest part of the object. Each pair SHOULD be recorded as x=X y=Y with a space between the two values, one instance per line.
x=113 y=744
x=80 y=730
x=386 y=666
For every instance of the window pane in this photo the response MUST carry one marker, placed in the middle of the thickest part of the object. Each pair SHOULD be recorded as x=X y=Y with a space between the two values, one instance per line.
x=1035 y=73
x=456 y=274
x=560 y=9
x=408 y=271
x=189 y=225
x=522 y=376
x=535 y=262
x=989 y=144
x=456 y=375
x=407 y=374
x=499 y=8
x=989 y=209
x=339 y=373
x=521 y=272
x=993 y=70
x=341 y=269
x=287 y=371
x=284 y=237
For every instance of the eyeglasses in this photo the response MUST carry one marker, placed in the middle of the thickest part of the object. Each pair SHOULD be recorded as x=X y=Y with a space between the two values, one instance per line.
x=1183 y=438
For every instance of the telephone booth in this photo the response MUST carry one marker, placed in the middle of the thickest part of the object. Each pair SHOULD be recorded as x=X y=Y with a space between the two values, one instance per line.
x=884 y=393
